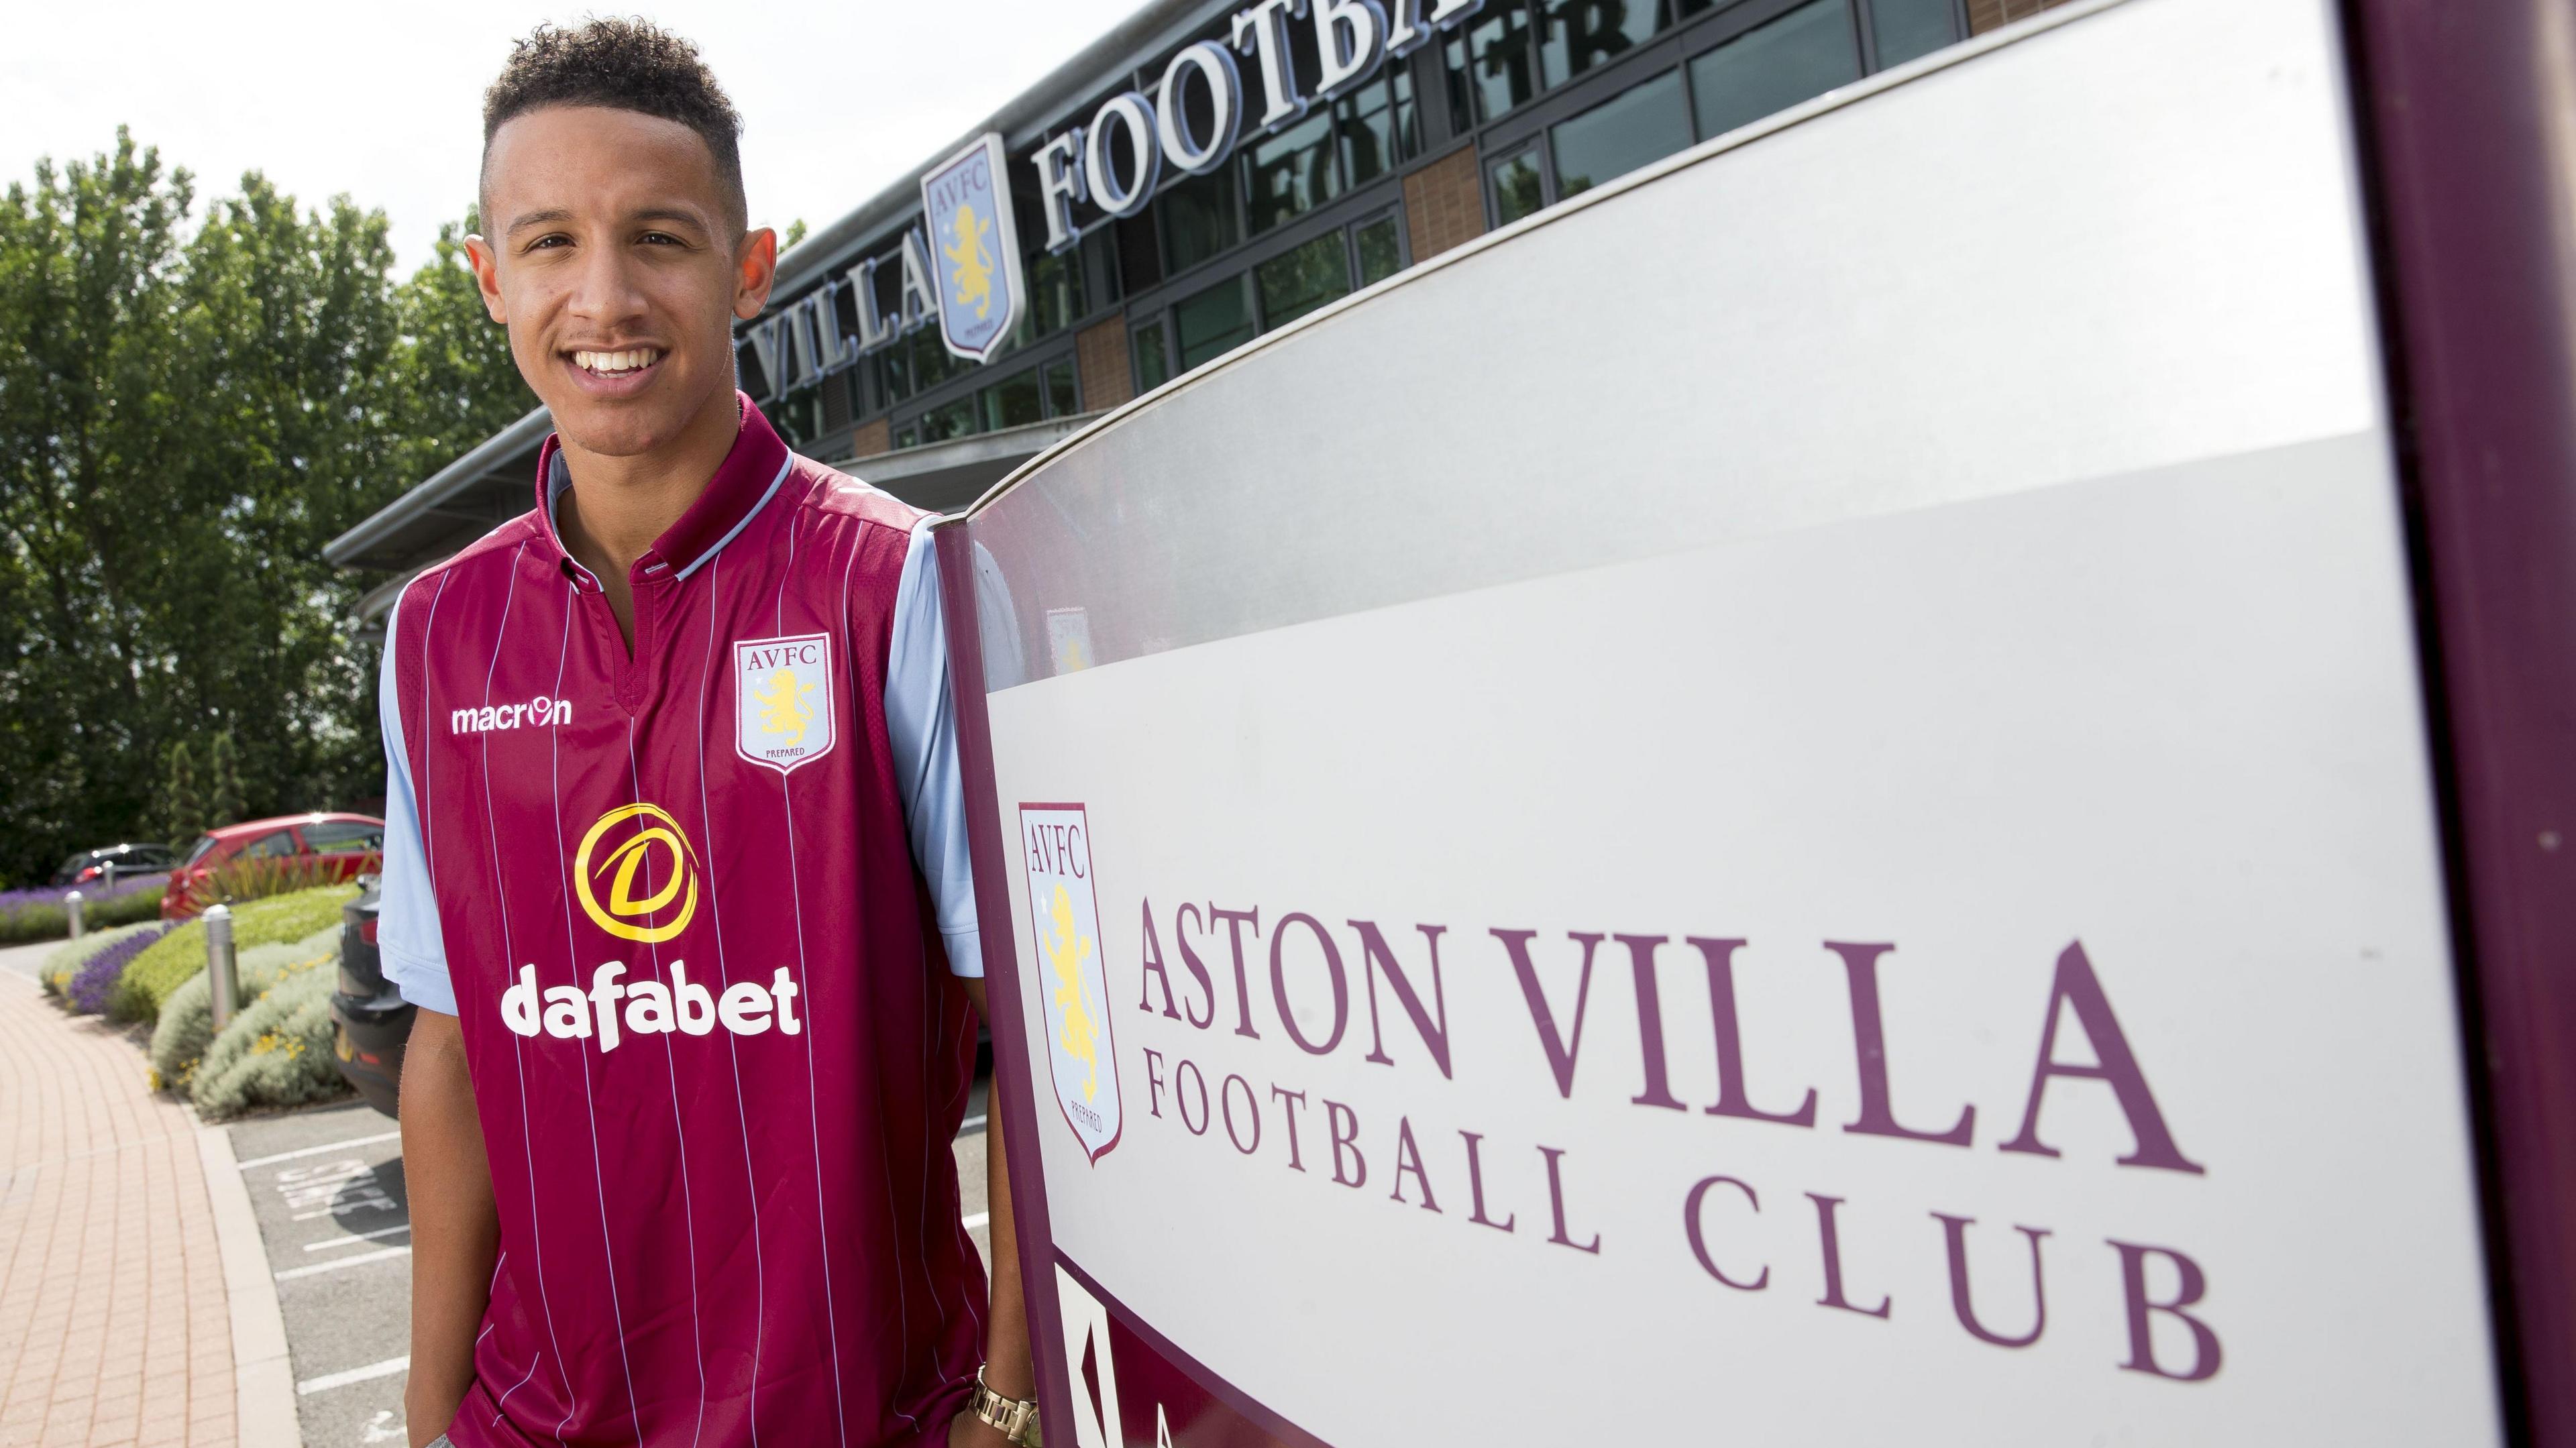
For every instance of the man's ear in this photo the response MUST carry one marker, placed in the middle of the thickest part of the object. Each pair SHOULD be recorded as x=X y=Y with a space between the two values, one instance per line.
x=755 y=269
x=487 y=276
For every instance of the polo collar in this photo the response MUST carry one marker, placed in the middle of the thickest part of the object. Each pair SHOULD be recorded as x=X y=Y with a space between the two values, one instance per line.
x=750 y=475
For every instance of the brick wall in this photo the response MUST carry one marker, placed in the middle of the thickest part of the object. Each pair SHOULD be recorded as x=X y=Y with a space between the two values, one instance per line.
x=1443 y=204
x=1985 y=15
x=872 y=438
x=1100 y=356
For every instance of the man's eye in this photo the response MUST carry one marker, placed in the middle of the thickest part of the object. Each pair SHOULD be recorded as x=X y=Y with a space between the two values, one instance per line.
x=661 y=238
x=544 y=242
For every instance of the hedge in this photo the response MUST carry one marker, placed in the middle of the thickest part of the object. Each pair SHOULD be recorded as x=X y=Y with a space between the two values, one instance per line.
x=38 y=914
x=65 y=960
x=147 y=983
x=187 y=1023
x=275 y=1053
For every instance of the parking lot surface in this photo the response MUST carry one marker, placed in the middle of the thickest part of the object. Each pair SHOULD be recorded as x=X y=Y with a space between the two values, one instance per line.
x=335 y=1216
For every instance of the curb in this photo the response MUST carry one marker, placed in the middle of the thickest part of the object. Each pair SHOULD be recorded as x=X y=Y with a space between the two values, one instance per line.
x=263 y=1378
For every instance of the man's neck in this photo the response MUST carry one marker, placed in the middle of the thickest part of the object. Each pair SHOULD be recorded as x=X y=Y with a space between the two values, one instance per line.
x=617 y=506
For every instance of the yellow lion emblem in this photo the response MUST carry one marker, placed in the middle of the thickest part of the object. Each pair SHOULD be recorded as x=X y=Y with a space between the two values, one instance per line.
x=782 y=706
x=1066 y=950
x=973 y=259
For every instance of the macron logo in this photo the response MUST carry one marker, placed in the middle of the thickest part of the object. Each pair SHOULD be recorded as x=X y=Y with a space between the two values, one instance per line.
x=648 y=1007
x=536 y=713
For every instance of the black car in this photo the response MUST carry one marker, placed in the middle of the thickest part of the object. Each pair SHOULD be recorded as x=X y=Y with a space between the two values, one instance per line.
x=373 y=1019
x=96 y=866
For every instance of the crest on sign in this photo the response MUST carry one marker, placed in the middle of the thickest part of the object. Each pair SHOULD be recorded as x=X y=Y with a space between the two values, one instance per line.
x=1073 y=981
x=974 y=249
x=782 y=690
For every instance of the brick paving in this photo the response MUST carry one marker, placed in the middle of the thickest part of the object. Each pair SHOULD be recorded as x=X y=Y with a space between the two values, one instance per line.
x=113 y=1322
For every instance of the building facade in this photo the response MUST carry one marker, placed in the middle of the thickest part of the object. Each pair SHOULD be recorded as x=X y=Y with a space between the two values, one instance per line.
x=1205 y=173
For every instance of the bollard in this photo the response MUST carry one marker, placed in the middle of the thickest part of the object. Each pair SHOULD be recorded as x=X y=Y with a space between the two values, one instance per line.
x=72 y=911
x=219 y=962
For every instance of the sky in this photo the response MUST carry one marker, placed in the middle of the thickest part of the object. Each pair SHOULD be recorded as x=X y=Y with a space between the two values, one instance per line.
x=382 y=101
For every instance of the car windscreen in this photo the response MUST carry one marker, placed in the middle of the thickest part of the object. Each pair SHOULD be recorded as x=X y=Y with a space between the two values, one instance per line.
x=204 y=845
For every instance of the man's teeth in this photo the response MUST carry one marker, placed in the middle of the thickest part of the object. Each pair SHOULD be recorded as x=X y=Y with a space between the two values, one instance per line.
x=617 y=364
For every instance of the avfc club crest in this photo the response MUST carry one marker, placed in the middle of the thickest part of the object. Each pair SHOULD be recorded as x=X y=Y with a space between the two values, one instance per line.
x=782 y=700
x=974 y=249
x=1073 y=981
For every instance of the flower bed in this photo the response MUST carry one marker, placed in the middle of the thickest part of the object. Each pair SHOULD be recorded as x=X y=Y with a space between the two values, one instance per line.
x=38 y=914
x=275 y=1053
x=146 y=985
x=187 y=1024
x=89 y=987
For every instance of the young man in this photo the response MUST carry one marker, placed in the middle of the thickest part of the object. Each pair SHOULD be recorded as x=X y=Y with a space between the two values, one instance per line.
x=676 y=868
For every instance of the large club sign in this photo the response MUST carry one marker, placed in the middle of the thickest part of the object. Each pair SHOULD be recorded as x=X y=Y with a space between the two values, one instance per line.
x=1835 y=902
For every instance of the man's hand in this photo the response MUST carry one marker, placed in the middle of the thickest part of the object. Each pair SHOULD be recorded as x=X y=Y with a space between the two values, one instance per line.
x=1007 y=1367
x=455 y=1231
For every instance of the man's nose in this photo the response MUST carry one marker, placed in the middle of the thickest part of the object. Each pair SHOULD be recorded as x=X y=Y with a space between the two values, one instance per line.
x=604 y=290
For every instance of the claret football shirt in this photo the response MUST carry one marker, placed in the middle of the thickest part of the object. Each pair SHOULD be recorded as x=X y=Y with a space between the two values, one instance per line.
x=696 y=907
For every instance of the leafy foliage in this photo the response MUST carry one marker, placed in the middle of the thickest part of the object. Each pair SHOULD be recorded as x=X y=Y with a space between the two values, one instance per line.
x=190 y=407
x=41 y=914
x=94 y=984
x=65 y=960
x=241 y=878
x=277 y=1052
x=146 y=985
x=187 y=1024
x=183 y=808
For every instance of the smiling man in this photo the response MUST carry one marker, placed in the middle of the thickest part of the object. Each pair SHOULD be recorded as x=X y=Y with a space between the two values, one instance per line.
x=675 y=864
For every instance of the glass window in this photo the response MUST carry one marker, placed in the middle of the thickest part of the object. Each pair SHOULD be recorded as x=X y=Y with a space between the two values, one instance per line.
x=1905 y=29
x=1214 y=322
x=1198 y=218
x=932 y=362
x=267 y=846
x=1494 y=55
x=1153 y=366
x=1139 y=265
x=1012 y=402
x=1380 y=247
x=343 y=837
x=1060 y=397
x=1377 y=127
x=894 y=372
x=199 y=850
x=1299 y=281
x=1643 y=123
x=1804 y=53
x=1517 y=190
x=1055 y=292
x=949 y=420
x=1576 y=35
x=1290 y=174
x=907 y=436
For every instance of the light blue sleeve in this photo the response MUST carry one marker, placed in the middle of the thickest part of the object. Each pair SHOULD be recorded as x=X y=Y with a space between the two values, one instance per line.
x=408 y=942
x=921 y=724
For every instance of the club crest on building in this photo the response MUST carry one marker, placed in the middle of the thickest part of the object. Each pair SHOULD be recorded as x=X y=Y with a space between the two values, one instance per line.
x=1073 y=980
x=974 y=249
x=782 y=690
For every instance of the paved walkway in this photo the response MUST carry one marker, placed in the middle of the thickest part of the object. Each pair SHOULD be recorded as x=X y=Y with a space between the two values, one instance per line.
x=113 y=1320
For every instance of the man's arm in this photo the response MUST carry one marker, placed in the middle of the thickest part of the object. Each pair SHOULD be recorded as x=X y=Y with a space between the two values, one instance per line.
x=455 y=1231
x=1007 y=1369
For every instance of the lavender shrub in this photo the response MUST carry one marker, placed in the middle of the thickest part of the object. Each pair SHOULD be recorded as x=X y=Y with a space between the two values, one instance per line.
x=38 y=914
x=90 y=988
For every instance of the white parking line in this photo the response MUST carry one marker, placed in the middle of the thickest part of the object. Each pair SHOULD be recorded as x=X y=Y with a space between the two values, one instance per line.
x=336 y=1263
x=971 y=1123
x=369 y=1373
x=356 y=1237
x=977 y=1220
x=318 y=1150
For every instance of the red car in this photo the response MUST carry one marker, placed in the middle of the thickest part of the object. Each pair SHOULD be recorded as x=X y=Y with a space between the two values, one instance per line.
x=342 y=845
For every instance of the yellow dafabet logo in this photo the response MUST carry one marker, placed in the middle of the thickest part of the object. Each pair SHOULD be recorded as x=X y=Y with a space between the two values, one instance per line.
x=648 y=869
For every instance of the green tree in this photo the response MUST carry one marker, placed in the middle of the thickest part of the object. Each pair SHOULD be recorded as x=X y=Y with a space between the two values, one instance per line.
x=183 y=809
x=223 y=783
x=185 y=418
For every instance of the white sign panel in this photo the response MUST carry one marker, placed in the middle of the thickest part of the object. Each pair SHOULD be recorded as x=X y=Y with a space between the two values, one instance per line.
x=1848 y=860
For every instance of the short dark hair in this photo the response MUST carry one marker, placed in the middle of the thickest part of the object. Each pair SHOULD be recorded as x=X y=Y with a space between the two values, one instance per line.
x=626 y=65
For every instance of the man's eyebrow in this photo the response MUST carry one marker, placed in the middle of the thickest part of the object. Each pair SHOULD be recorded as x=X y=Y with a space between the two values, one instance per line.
x=686 y=214
x=537 y=218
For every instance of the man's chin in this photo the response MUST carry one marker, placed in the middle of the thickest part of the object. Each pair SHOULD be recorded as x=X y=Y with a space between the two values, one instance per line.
x=624 y=428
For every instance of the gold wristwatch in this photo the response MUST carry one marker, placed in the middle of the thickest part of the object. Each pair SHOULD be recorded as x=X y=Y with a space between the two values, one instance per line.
x=1014 y=1418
